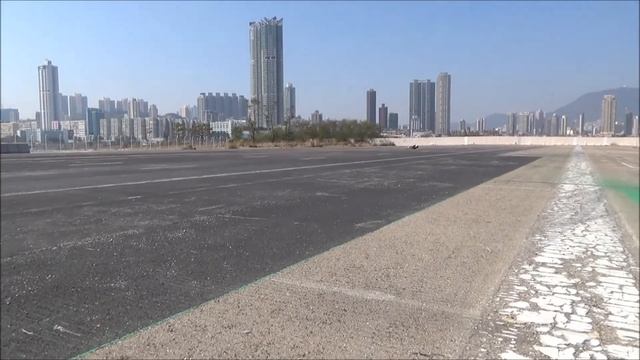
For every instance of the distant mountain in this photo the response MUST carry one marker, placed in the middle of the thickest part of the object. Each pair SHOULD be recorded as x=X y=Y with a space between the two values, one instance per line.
x=627 y=99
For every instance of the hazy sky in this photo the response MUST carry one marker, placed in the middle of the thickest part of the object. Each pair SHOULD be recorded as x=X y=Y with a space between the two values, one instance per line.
x=503 y=56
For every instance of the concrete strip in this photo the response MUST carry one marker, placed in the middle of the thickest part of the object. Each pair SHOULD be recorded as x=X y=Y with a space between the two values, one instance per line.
x=516 y=140
x=413 y=288
x=575 y=294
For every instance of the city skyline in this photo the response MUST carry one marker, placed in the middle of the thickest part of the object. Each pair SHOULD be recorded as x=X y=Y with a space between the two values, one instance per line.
x=322 y=83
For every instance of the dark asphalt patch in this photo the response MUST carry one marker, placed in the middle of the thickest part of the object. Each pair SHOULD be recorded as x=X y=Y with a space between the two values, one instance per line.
x=82 y=268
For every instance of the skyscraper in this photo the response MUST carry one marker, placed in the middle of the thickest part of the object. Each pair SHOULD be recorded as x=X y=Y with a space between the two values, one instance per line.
x=581 y=124
x=443 y=104
x=226 y=107
x=107 y=106
x=234 y=106
x=393 y=121
x=202 y=106
x=93 y=122
x=9 y=115
x=628 y=123
x=608 y=115
x=267 y=73
x=512 y=124
x=480 y=125
x=48 y=87
x=553 y=129
x=636 y=126
x=122 y=106
x=289 y=101
x=184 y=110
x=383 y=117
x=63 y=101
x=78 y=107
x=463 y=127
x=243 y=105
x=563 y=126
x=153 y=111
x=134 y=108
x=540 y=124
x=371 y=106
x=422 y=104
x=316 y=117
x=523 y=124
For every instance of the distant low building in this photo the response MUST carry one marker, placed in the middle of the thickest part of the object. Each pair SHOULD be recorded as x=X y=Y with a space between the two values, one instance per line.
x=77 y=126
x=226 y=126
x=9 y=129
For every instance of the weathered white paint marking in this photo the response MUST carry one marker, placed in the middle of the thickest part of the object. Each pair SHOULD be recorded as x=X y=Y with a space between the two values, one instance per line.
x=576 y=297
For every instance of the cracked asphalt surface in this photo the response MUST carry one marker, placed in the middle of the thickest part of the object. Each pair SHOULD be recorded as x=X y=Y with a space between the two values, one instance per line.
x=97 y=246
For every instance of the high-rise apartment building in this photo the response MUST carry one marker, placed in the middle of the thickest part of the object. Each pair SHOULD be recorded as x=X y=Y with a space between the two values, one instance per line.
x=134 y=108
x=63 y=102
x=9 y=115
x=243 y=106
x=153 y=111
x=289 y=101
x=184 y=110
x=443 y=104
x=480 y=125
x=48 y=88
x=523 y=127
x=608 y=115
x=220 y=107
x=628 y=123
x=540 y=122
x=553 y=128
x=122 y=106
x=581 y=124
x=143 y=108
x=267 y=72
x=463 y=127
x=562 y=131
x=393 y=121
x=383 y=117
x=636 y=126
x=226 y=106
x=93 y=122
x=107 y=106
x=371 y=106
x=422 y=107
x=512 y=124
x=78 y=107
x=316 y=117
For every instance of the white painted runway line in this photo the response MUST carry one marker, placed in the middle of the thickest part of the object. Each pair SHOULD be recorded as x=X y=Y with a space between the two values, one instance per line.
x=97 y=164
x=628 y=165
x=240 y=173
x=576 y=297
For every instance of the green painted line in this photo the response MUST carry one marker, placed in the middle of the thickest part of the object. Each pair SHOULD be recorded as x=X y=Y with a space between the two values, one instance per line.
x=631 y=191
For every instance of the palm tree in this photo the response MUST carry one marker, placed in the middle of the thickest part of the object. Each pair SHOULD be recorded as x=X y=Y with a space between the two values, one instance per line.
x=180 y=131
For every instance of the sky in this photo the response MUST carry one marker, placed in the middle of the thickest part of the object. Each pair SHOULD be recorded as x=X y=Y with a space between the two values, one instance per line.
x=502 y=56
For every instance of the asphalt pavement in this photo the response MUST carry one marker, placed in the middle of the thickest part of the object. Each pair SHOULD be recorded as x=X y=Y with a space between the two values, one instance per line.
x=95 y=246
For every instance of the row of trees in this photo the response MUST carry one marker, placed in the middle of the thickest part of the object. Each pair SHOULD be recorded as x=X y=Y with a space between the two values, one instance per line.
x=341 y=131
